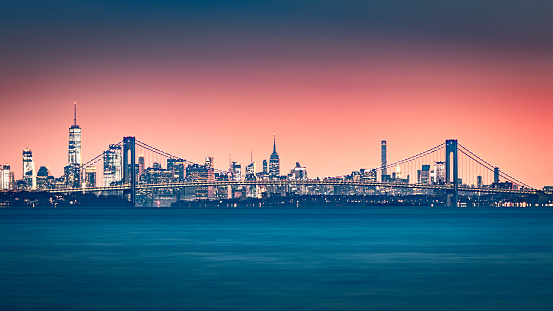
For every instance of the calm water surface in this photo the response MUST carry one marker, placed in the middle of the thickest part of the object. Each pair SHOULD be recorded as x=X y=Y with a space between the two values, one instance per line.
x=271 y=259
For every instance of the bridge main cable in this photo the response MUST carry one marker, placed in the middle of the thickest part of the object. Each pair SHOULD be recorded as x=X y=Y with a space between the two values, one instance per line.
x=168 y=155
x=98 y=157
x=419 y=155
x=491 y=167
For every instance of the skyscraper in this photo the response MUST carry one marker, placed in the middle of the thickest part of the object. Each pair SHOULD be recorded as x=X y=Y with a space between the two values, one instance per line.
x=113 y=165
x=29 y=168
x=236 y=171
x=439 y=169
x=274 y=161
x=90 y=176
x=383 y=158
x=5 y=177
x=72 y=171
x=141 y=164
x=250 y=171
x=209 y=162
x=74 y=155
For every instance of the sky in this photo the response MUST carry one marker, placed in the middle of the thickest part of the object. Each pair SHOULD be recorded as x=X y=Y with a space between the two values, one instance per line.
x=330 y=78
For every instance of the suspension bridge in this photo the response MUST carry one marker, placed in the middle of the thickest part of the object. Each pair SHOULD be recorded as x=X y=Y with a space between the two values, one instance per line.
x=135 y=169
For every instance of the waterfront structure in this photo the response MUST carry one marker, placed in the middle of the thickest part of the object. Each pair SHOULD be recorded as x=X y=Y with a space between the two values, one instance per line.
x=5 y=177
x=29 y=174
x=162 y=185
x=274 y=162
x=113 y=172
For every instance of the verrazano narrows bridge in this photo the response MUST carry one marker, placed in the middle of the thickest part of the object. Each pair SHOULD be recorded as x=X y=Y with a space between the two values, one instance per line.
x=448 y=168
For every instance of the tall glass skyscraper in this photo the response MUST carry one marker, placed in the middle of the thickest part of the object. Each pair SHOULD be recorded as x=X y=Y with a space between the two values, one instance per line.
x=29 y=168
x=113 y=165
x=383 y=158
x=74 y=156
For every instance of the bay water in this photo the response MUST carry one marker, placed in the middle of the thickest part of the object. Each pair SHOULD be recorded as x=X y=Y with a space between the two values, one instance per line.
x=393 y=258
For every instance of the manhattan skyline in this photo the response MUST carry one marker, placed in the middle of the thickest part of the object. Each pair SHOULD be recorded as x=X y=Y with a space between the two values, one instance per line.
x=331 y=79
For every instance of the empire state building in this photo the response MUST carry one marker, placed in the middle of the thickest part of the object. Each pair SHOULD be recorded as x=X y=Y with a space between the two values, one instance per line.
x=274 y=161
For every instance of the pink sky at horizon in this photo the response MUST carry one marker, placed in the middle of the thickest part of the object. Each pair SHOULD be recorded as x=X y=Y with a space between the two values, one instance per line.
x=329 y=108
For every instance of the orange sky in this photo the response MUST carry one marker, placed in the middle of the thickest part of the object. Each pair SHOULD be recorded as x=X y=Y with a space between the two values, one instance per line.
x=330 y=90
x=329 y=113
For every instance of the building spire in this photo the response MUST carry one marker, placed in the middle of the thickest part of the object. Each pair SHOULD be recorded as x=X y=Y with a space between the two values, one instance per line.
x=274 y=143
x=75 y=113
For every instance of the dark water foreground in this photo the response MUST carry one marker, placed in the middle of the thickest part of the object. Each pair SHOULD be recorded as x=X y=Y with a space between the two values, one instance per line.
x=271 y=259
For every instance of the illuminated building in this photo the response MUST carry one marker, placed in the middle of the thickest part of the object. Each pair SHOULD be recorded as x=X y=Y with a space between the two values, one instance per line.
x=74 y=155
x=90 y=176
x=265 y=170
x=398 y=172
x=250 y=171
x=113 y=163
x=5 y=177
x=236 y=171
x=72 y=171
x=209 y=162
x=141 y=164
x=439 y=171
x=274 y=162
x=176 y=166
x=29 y=169
x=42 y=177
x=298 y=172
x=425 y=174
x=201 y=173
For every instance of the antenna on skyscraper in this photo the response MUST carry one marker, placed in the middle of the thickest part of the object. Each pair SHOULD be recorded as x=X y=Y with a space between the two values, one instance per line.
x=75 y=113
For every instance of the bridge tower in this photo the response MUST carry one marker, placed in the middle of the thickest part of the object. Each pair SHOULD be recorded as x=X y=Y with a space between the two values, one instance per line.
x=129 y=166
x=452 y=171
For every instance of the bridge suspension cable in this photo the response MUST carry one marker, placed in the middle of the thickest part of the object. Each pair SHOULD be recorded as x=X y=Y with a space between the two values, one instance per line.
x=168 y=155
x=490 y=167
x=98 y=158
x=412 y=158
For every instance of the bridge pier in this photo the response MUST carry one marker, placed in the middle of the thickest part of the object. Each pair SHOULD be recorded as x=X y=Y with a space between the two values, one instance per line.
x=452 y=172
x=129 y=167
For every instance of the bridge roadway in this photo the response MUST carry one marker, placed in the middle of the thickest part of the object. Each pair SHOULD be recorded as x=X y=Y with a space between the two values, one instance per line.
x=296 y=183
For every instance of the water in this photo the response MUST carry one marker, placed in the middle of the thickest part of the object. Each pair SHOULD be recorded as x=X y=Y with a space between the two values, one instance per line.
x=276 y=259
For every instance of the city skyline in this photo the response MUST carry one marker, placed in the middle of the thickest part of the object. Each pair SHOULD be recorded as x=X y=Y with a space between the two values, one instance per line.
x=331 y=82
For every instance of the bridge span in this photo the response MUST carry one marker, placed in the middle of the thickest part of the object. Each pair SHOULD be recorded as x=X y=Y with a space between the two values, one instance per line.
x=289 y=183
